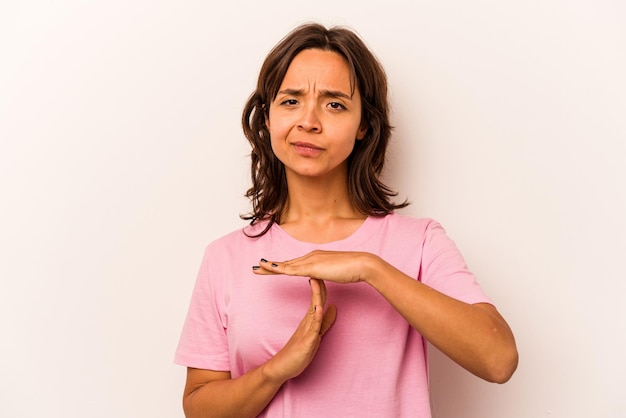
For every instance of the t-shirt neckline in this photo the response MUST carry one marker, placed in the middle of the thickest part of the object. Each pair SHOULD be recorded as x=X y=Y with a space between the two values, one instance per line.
x=280 y=237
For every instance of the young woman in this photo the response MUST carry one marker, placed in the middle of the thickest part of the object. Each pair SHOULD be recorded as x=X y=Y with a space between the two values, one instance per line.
x=322 y=305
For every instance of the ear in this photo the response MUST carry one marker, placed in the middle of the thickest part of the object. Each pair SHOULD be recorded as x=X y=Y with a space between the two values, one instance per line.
x=360 y=134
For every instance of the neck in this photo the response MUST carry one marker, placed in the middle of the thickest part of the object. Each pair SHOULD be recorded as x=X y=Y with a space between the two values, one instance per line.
x=318 y=200
x=320 y=210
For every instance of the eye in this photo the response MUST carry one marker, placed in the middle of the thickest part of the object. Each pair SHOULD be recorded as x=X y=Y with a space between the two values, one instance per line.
x=289 y=102
x=336 y=105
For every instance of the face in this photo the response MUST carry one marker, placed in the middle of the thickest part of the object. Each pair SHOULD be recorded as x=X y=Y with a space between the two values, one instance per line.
x=315 y=119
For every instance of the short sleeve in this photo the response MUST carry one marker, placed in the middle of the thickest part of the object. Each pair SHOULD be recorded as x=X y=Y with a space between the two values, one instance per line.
x=203 y=342
x=444 y=269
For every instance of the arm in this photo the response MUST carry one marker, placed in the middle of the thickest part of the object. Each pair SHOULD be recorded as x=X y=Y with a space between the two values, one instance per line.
x=211 y=393
x=474 y=336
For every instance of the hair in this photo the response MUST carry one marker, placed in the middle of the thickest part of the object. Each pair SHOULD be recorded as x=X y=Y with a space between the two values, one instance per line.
x=367 y=192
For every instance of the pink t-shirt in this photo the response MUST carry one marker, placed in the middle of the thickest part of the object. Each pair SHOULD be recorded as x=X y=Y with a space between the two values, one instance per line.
x=371 y=363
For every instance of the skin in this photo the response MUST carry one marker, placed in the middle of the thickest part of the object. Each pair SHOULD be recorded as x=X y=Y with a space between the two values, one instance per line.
x=211 y=393
x=315 y=119
x=314 y=122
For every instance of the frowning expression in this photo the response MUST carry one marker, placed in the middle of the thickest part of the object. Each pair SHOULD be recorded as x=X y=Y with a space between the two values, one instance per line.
x=315 y=118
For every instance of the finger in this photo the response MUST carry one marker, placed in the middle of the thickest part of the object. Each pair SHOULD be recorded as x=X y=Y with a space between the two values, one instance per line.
x=311 y=324
x=262 y=270
x=316 y=293
x=328 y=319
x=322 y=320
x=323 y=291
x=300 y=266
x=266 y=267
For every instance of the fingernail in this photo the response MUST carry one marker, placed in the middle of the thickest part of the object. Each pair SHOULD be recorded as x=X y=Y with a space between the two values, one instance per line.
x=274 y=265
x=263 y=260
x=256 y=267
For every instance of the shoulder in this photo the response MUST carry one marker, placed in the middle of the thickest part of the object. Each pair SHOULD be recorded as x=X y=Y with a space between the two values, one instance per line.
x=427 y=232
x=406 y=224
x=238 y=238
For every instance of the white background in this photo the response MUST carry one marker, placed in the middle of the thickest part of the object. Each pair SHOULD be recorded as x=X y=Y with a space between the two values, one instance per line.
x=122 y=157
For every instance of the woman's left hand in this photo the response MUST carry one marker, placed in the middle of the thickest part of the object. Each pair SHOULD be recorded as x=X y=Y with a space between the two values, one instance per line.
x=332 y=266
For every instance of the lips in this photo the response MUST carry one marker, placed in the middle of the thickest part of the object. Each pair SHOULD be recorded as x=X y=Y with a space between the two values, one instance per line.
x=307 y=149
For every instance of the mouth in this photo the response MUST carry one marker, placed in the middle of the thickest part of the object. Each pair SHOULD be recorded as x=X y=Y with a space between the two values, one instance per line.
x=306 y=145
x=306 y=149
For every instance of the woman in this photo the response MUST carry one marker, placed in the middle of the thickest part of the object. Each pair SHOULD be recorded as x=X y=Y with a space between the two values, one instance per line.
x=322 y=305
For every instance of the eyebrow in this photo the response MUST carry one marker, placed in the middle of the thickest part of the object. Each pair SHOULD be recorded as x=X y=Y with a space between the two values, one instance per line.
x=324 y=93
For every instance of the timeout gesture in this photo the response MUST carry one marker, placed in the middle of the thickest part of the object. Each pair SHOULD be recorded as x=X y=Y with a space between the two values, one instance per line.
x=332 y=266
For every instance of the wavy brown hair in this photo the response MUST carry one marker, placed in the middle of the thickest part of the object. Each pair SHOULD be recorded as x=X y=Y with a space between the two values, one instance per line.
x=368 y=194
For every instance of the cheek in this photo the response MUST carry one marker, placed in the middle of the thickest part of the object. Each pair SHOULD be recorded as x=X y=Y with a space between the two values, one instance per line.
x=278 y=147
x=275 y=126
x=279 y=132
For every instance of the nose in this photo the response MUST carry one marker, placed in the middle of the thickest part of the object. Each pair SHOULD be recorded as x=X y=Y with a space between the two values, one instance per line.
x=309 y=120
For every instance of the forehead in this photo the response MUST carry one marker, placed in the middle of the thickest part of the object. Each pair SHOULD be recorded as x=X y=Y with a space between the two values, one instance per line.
x=316 y=65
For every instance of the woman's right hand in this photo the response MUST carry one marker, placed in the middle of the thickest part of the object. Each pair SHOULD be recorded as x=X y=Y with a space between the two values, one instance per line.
x=301 y=348
x=216 y=394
